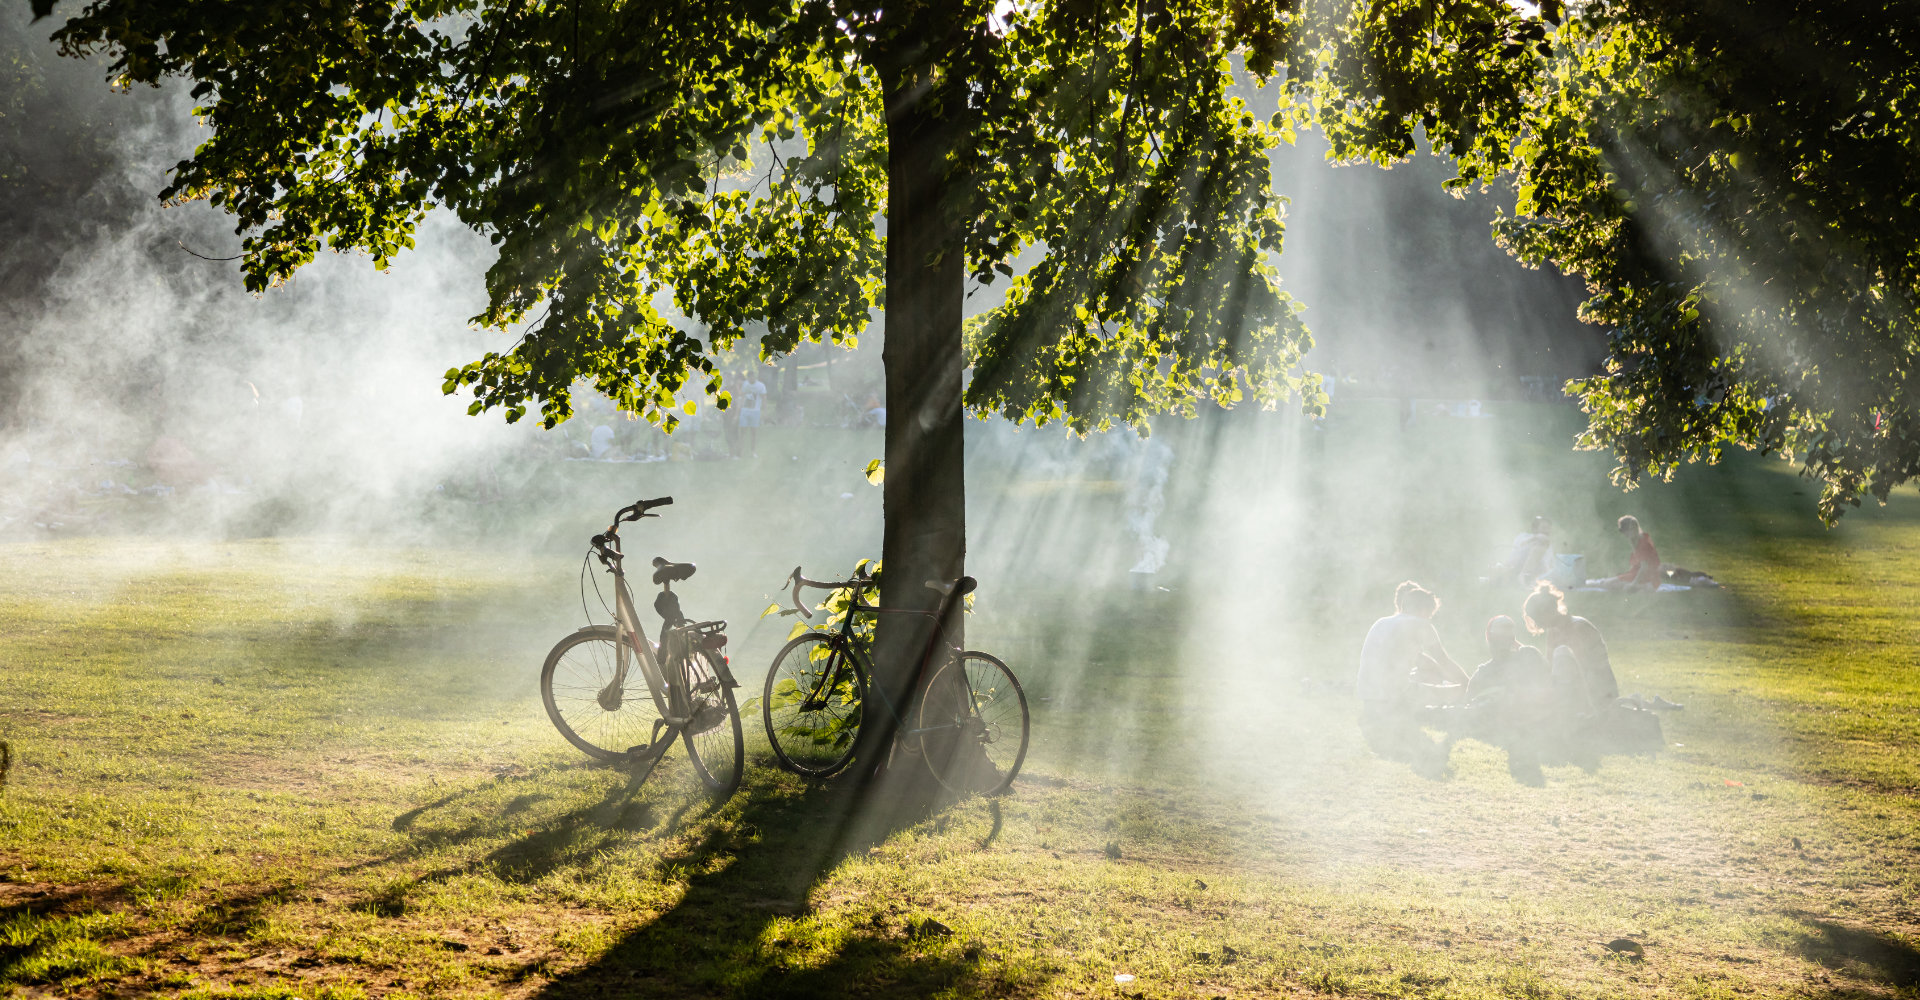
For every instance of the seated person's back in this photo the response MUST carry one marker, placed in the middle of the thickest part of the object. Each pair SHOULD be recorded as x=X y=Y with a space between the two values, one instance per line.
x=1390 y=653
x=1580 y=662
x=1400 y=645
x=1583 y=639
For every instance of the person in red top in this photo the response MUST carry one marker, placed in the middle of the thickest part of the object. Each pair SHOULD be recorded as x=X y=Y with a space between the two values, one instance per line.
x=1643 y=569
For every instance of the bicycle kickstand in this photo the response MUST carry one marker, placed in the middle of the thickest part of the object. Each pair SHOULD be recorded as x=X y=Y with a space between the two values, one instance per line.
x=655 y=747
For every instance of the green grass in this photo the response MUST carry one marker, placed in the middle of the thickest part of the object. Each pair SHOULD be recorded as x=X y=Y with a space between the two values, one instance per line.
x=317 y=768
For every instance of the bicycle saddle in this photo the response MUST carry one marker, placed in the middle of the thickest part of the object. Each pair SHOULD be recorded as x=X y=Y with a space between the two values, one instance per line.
x=945 y=587
x=670 y=572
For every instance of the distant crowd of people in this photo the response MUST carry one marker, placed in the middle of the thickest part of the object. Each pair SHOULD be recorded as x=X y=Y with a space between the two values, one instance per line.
x=706 y=432
x=1557 y=701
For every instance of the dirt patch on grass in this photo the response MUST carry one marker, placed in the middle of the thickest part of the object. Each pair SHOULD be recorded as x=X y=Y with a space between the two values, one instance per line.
x=336 y=772
x=41 y=716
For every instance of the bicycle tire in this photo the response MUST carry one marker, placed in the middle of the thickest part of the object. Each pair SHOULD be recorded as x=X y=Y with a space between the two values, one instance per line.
x=998 y=703
x=719 y=754
x=819 y=743
x=570 y=681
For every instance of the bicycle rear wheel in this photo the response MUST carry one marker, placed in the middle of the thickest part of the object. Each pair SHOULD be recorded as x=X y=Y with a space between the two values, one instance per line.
x=576 y=685
x=812 y=705
x=973 y=725
x=713 y=738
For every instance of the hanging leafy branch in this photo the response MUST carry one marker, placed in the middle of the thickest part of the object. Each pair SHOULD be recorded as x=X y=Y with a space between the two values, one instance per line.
x=1734 y=179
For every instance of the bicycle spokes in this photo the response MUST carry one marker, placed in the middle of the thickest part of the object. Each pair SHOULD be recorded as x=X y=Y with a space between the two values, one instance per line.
x=974 y=724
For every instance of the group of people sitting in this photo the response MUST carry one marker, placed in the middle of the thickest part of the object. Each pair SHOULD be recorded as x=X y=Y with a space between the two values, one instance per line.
x=1532 y=559
x=1562 y=704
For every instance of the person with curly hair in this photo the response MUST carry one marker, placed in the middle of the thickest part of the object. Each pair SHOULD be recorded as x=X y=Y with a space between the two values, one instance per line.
x=1580 y=667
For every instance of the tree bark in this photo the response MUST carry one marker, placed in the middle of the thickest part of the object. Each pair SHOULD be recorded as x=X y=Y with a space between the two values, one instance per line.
x=924 y=502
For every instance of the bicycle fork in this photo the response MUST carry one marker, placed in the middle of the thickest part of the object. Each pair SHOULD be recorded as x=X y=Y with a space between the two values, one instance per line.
x=626 y=650
x=829 y=682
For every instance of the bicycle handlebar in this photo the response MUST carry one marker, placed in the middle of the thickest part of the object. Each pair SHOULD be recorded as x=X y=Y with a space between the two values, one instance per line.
x=799 y=581
x=607 y=543
x=947 y=589
x=637 y=510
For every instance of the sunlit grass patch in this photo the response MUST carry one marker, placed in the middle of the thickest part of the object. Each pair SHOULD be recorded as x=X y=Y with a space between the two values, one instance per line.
x=328 y=991
x=62 y=951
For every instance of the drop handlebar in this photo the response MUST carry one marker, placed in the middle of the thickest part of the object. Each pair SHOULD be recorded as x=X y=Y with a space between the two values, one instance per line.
x=946 y=589
x=799 y=581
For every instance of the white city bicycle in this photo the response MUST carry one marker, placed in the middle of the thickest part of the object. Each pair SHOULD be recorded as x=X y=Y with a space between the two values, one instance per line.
x=620 y=698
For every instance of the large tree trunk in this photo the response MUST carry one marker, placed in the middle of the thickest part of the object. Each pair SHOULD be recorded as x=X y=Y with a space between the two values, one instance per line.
x=925 y=487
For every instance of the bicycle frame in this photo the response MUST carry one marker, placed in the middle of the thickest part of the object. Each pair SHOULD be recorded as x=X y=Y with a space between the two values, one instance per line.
x=630 y=639
x=845 y=642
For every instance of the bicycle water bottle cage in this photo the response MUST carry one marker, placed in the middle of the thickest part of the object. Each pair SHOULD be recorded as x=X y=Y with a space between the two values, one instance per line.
x=665 y=572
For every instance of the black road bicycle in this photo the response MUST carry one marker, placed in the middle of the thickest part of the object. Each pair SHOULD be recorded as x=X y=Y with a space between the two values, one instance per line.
x=618 y=697
x=968 y=721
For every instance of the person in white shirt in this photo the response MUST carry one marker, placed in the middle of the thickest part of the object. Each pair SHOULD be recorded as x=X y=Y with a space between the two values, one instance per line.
x=1403 y=666
x=747 y=398
x=1531 y=556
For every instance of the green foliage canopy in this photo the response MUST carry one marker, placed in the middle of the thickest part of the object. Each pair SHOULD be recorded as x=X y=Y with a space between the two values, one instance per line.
x=732 y=155
x=1735 y=179
x=1738 y=181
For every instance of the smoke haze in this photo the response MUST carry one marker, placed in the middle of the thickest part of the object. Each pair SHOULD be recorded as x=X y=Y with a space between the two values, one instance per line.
x=148 y=393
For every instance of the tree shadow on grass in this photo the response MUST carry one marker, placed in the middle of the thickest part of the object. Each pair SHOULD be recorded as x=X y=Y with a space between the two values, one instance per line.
x=1864 y=952
x=744 y=922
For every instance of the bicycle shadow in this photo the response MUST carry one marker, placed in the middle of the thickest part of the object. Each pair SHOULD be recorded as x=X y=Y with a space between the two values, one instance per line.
x=747 y=925
x=552 y=818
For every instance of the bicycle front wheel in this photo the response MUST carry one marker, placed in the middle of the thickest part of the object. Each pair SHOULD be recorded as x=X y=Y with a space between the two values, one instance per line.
x=812 y=705
x=973 y=726
x=712 y=736
x=577 y=685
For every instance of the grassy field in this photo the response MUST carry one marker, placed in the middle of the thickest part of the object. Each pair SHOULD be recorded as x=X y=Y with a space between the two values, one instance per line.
x=317 y=767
